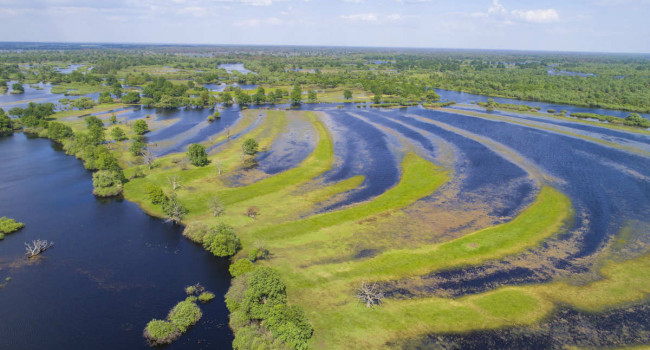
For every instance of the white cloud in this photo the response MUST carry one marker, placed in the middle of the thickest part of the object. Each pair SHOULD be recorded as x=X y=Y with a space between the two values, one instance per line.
x=361 y=17
x=497 y=10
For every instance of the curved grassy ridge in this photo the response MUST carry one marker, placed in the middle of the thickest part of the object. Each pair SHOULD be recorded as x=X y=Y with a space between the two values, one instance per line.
x=543 y=218
x=552 y=128
x=419 y=179
x=352 y=326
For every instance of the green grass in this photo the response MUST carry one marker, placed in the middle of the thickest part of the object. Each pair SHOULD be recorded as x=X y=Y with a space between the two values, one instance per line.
x=77 y=89
x=419 y=178
x=543 y=218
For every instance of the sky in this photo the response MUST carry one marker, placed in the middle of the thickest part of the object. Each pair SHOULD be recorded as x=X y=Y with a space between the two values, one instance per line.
x=553 y=25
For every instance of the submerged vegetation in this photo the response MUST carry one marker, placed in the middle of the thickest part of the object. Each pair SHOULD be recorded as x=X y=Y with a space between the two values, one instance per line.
x=8 y=225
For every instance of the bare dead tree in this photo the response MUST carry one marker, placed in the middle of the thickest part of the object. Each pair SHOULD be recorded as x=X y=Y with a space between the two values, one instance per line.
x=175 y=181
x=149 y=158
x=174 y=210
x=217 y=164
x=369 y=294
x=228 y=135
x=216 y=206
x=36 y=247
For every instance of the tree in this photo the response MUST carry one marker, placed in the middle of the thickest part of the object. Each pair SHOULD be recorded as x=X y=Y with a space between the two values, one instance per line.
x=205 y=98
x=312 y=96
x=347 y=94
x=174 y=209
x=296 y=95
x=83 y=103
x=132 y=97
x=265 y=291
x=241 y=267
x=377 y=98
x=113 y=119
x=149 y=158
x=117 y=90
x=175 y=181
x=105 y=97
x=36 y=247
x=226 y=98
x=155 y=193
x=6 y=125
x=140 y=127
x=58 y=131
x=222 y=241
x=369 y=294
x=197 y=155
x=216 y=206
x=95 y=129
x=249 y=147
x=432 y=96
x=118 y=134
x=107 y=183
x=137 y=147
x=17 y=88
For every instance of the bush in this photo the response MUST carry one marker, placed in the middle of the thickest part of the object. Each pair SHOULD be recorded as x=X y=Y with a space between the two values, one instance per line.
x=137 y=147
x=140 y=127
x=206 y=297
x=235 y=295
x=197 y=155
x=107 y=183
x=155 y=193
x=290 y=325
x=191 y=290
x=118 y=134
x=160 y=332
x=258 y=253
x=8 y=225
x=249 y=147
x=265 y=291
x=252 y=212
x=241 y=267
x=58 y=131
x=195 y=231
x=185 y=314
x=222 y=241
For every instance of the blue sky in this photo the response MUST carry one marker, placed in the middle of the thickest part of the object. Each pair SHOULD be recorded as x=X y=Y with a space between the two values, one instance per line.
x=569 y=25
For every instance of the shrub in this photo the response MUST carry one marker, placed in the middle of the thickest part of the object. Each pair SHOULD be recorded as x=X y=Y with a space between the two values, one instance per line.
x=206 y=297
x=191 y=290
x=8 y=225
x=252 y=212
x=107 y=183
x=160 y=332
x=241 y=267
x=222 y=241
x=197 y=155
x=137 y=147
x=118 y=134
x=195 y=231
x=258 y=253
x=290 y=325
x=58 y=131
x=185 y=314
x=155 y=193
x=140 y=127
x=235 y=295
x=265 y=291
x=249 y=147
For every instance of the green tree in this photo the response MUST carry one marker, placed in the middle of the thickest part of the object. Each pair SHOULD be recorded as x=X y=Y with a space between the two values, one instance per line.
x=83 y=103
x=197 y=155
x=174 y=209
x=347 y=94
x=6 y=125
x=222 y=241
x=226 y=98
x=140 y=127
x=137 y=147
x=296 y=95
x=95 y=129
x=17 y=88
x=116 y=89
x=105 y=97
x=265 y=291
x=118 y=134
x=113 y=119
x=250 y=147
x=132 y=97
x=155 y=193
x=58 y=131
x=312 y=96
x=241 y=267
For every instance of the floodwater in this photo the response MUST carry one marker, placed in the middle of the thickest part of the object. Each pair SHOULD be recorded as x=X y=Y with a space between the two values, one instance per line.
x=112 y=268
x=124 y=268
x=235 y=67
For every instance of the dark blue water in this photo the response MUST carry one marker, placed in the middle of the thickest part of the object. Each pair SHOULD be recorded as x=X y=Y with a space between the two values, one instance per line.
x=112 y=268
x=464 y=97
x=608 y=195
x=363 y=150
x=192 y=127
